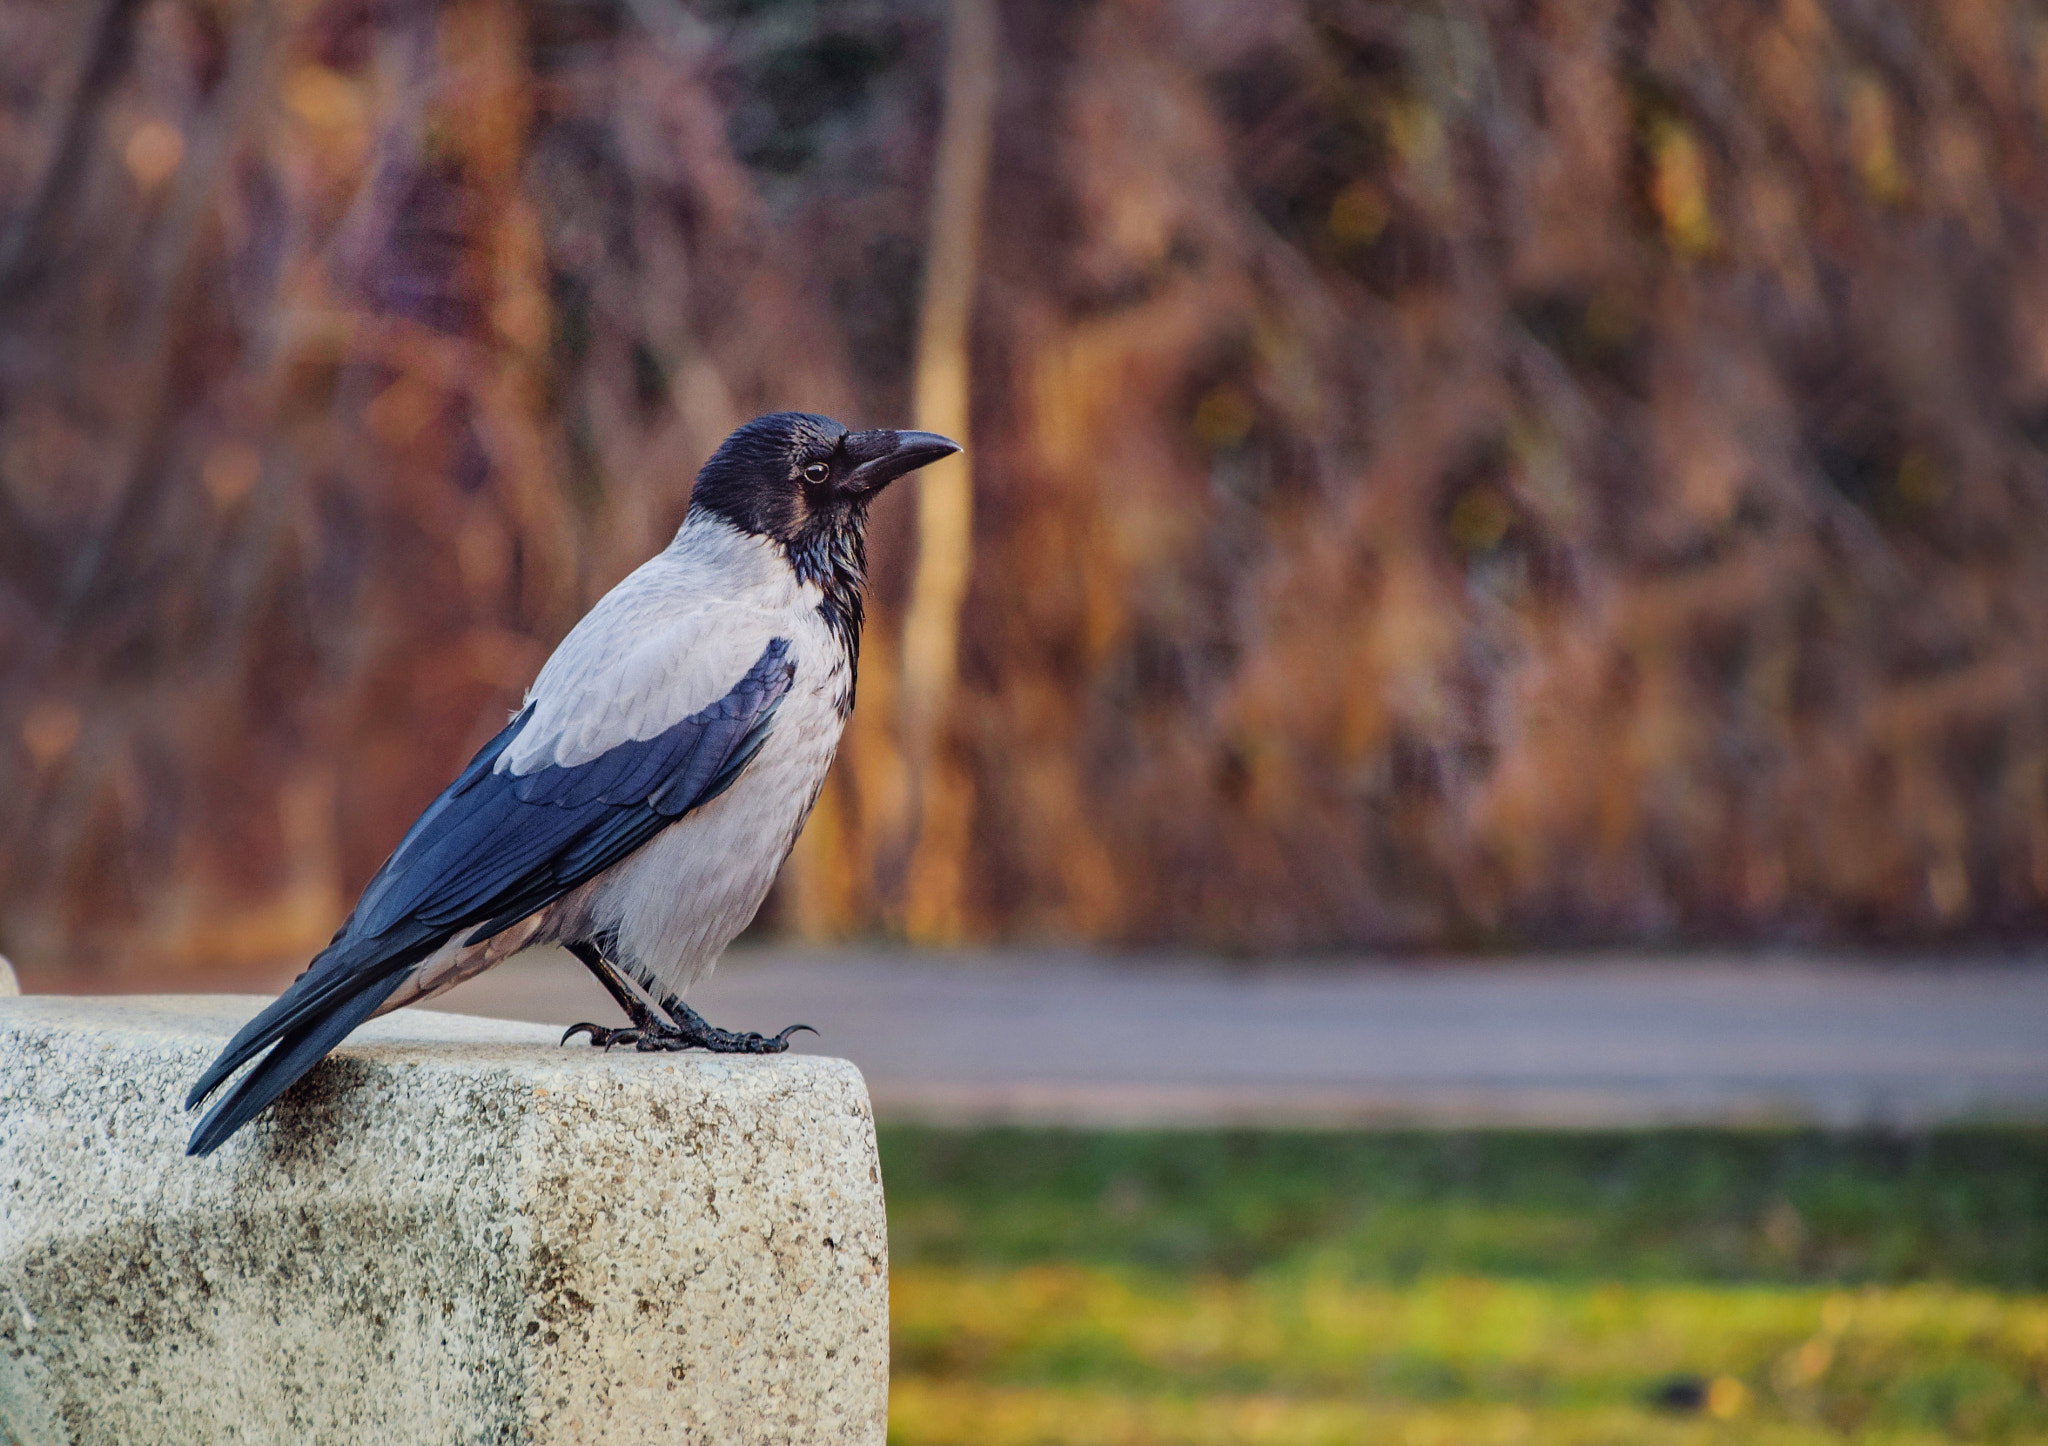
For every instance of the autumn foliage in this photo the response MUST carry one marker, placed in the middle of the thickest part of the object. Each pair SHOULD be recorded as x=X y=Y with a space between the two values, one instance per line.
x=1446 y=475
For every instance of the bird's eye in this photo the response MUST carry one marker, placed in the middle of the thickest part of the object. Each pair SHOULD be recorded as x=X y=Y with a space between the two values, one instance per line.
x=817 y=472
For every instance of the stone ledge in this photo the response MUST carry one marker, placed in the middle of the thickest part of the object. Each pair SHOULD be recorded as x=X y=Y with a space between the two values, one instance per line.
x=453 y=1230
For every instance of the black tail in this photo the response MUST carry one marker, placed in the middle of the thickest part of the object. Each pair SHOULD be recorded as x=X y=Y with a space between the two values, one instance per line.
x=305 y=1022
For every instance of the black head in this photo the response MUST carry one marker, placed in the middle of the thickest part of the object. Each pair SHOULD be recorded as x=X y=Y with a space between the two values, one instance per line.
x=804 y=482
x=795 y=477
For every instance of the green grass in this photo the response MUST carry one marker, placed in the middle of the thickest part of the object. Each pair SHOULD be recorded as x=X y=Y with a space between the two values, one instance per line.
x=1056 y=1287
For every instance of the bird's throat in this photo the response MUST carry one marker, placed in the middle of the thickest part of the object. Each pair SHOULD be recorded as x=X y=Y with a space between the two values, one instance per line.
x=834 y=557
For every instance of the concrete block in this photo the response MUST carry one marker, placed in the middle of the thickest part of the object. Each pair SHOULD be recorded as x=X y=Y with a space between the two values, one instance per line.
x=454 y=1230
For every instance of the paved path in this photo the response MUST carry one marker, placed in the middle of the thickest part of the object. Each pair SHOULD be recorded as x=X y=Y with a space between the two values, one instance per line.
x=1615 y=1041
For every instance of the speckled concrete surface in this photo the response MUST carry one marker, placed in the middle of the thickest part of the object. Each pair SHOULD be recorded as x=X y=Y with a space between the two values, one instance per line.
x=453 y=1231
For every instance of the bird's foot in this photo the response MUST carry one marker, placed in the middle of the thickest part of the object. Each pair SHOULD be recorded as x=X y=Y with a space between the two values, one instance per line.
x=602 y=1037
x=693 y=1031
x=719 y=1041
x=679 y=1027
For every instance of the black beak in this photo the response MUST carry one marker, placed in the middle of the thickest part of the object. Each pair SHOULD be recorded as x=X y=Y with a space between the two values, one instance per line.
x=879 y=458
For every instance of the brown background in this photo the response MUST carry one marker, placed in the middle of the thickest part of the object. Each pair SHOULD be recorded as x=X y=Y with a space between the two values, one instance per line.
x=1463 y=474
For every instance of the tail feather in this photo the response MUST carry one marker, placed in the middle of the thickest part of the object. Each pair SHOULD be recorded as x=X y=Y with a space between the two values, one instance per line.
x=306 y=1034
x=337 y=972
x=306 y=994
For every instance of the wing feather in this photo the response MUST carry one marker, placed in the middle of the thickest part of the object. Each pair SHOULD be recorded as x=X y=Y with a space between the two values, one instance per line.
x=496 y=846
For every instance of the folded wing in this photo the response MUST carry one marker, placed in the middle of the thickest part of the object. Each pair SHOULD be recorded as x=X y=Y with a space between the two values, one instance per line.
x=496 y=846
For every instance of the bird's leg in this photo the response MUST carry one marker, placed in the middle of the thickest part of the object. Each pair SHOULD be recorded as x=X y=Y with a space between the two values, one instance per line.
x=645 y=1021
x=693 y=1031
x=649 y=1031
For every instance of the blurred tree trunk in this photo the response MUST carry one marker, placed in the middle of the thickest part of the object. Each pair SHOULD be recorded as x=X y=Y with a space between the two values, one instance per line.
x=942 y=797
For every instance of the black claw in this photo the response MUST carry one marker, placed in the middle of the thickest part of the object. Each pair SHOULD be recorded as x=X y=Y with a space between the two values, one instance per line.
x=783 y=1038
x=601 y=1036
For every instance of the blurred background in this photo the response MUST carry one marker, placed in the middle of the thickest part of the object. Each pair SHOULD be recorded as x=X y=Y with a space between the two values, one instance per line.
x=1449 y=478
x=1455 y=475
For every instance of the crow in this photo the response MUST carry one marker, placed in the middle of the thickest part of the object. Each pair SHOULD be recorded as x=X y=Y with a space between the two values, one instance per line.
x=637 y=808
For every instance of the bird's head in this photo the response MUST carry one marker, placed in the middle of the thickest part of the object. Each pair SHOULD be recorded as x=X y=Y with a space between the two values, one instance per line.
x=803 y=480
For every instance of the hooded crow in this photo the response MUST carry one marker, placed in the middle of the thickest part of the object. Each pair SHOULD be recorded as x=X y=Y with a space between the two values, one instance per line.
x=637 y=808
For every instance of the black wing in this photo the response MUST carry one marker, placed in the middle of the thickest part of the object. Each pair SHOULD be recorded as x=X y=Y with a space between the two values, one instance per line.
x=492 y=849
